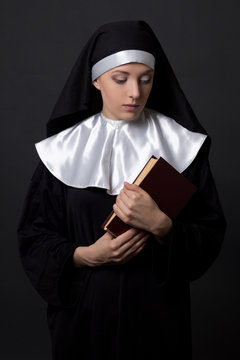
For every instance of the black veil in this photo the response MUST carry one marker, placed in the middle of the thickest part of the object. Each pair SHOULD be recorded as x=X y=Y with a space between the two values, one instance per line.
x=79 y=99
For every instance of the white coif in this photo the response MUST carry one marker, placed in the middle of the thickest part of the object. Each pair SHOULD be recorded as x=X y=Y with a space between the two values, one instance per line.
x=104 y=153
x=121 y=58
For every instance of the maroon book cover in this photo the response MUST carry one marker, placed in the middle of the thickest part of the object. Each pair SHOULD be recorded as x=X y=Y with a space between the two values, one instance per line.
x=169 y=189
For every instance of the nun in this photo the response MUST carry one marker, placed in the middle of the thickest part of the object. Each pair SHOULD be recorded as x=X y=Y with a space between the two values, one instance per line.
x=124 y=297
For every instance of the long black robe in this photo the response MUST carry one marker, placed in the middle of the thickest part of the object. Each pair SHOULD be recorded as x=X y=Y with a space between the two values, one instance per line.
x=139 y=310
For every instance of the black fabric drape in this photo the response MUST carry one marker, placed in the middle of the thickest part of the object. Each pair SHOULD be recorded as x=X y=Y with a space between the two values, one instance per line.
x=79 y=99
x=146 y=300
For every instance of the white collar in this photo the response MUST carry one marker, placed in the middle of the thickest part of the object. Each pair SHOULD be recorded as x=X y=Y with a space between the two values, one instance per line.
x=104 y=153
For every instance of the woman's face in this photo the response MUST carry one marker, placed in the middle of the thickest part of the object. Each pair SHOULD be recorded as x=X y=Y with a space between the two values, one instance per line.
x=125 y=90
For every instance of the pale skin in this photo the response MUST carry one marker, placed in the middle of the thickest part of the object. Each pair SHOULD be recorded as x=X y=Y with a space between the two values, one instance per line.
x=125 y=85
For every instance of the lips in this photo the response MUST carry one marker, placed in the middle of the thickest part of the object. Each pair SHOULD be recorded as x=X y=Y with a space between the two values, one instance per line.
x=131 y=106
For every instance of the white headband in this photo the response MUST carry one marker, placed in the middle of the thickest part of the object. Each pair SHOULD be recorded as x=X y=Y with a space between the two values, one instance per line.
x=120 y=58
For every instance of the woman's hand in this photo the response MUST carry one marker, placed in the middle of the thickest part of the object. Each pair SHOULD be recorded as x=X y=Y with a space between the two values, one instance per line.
x=136 y=207
x=108 y=250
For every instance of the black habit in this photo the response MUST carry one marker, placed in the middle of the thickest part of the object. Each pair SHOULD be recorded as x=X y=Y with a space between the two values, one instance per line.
x=139 y=310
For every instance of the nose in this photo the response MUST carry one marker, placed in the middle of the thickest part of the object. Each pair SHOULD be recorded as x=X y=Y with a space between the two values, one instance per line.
x=133 y=89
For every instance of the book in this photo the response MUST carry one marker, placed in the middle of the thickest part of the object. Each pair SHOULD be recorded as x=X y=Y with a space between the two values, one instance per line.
x=168 y=188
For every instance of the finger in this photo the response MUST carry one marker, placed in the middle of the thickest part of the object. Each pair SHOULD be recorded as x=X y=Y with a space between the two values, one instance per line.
x=133 y=187
x=123 y=203
x=139 y=246
x=133 y=243
x=124 y=193
x=108 y=236
x=123 y=216
x=130 y=235
x=125 y=237
x=142 y=232
x=131 y=253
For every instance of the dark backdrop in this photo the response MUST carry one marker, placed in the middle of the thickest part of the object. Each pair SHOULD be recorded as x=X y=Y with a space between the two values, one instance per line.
x=40 y=41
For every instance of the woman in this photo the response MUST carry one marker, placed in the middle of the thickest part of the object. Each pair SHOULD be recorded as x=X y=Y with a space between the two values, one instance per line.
x=125 y=297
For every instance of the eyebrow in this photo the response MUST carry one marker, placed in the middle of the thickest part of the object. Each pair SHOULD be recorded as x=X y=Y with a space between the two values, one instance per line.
x=127 y=73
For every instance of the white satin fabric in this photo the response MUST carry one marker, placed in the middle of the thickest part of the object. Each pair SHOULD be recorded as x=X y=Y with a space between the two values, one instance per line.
x=104 y=153
x=120 y=58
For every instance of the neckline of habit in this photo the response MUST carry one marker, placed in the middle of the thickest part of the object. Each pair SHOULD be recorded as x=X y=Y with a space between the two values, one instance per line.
x=120 y=122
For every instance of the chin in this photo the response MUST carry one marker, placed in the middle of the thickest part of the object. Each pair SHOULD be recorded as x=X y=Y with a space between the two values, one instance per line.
x=123 y=115
x=130 y=115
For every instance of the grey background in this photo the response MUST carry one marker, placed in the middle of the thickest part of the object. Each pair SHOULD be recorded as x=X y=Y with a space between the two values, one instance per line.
x=40 y=41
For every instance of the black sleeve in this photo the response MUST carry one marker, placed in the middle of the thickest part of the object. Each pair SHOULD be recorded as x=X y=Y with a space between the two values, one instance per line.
x=198 y=232
x=46 y=252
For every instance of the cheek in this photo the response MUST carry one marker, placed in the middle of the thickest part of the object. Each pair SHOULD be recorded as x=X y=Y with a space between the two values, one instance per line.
x=146 y=93
x=112 y=95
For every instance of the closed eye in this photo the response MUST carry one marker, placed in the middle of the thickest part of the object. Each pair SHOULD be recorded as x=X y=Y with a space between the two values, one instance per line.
x=145 y=79
x=119 y=80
